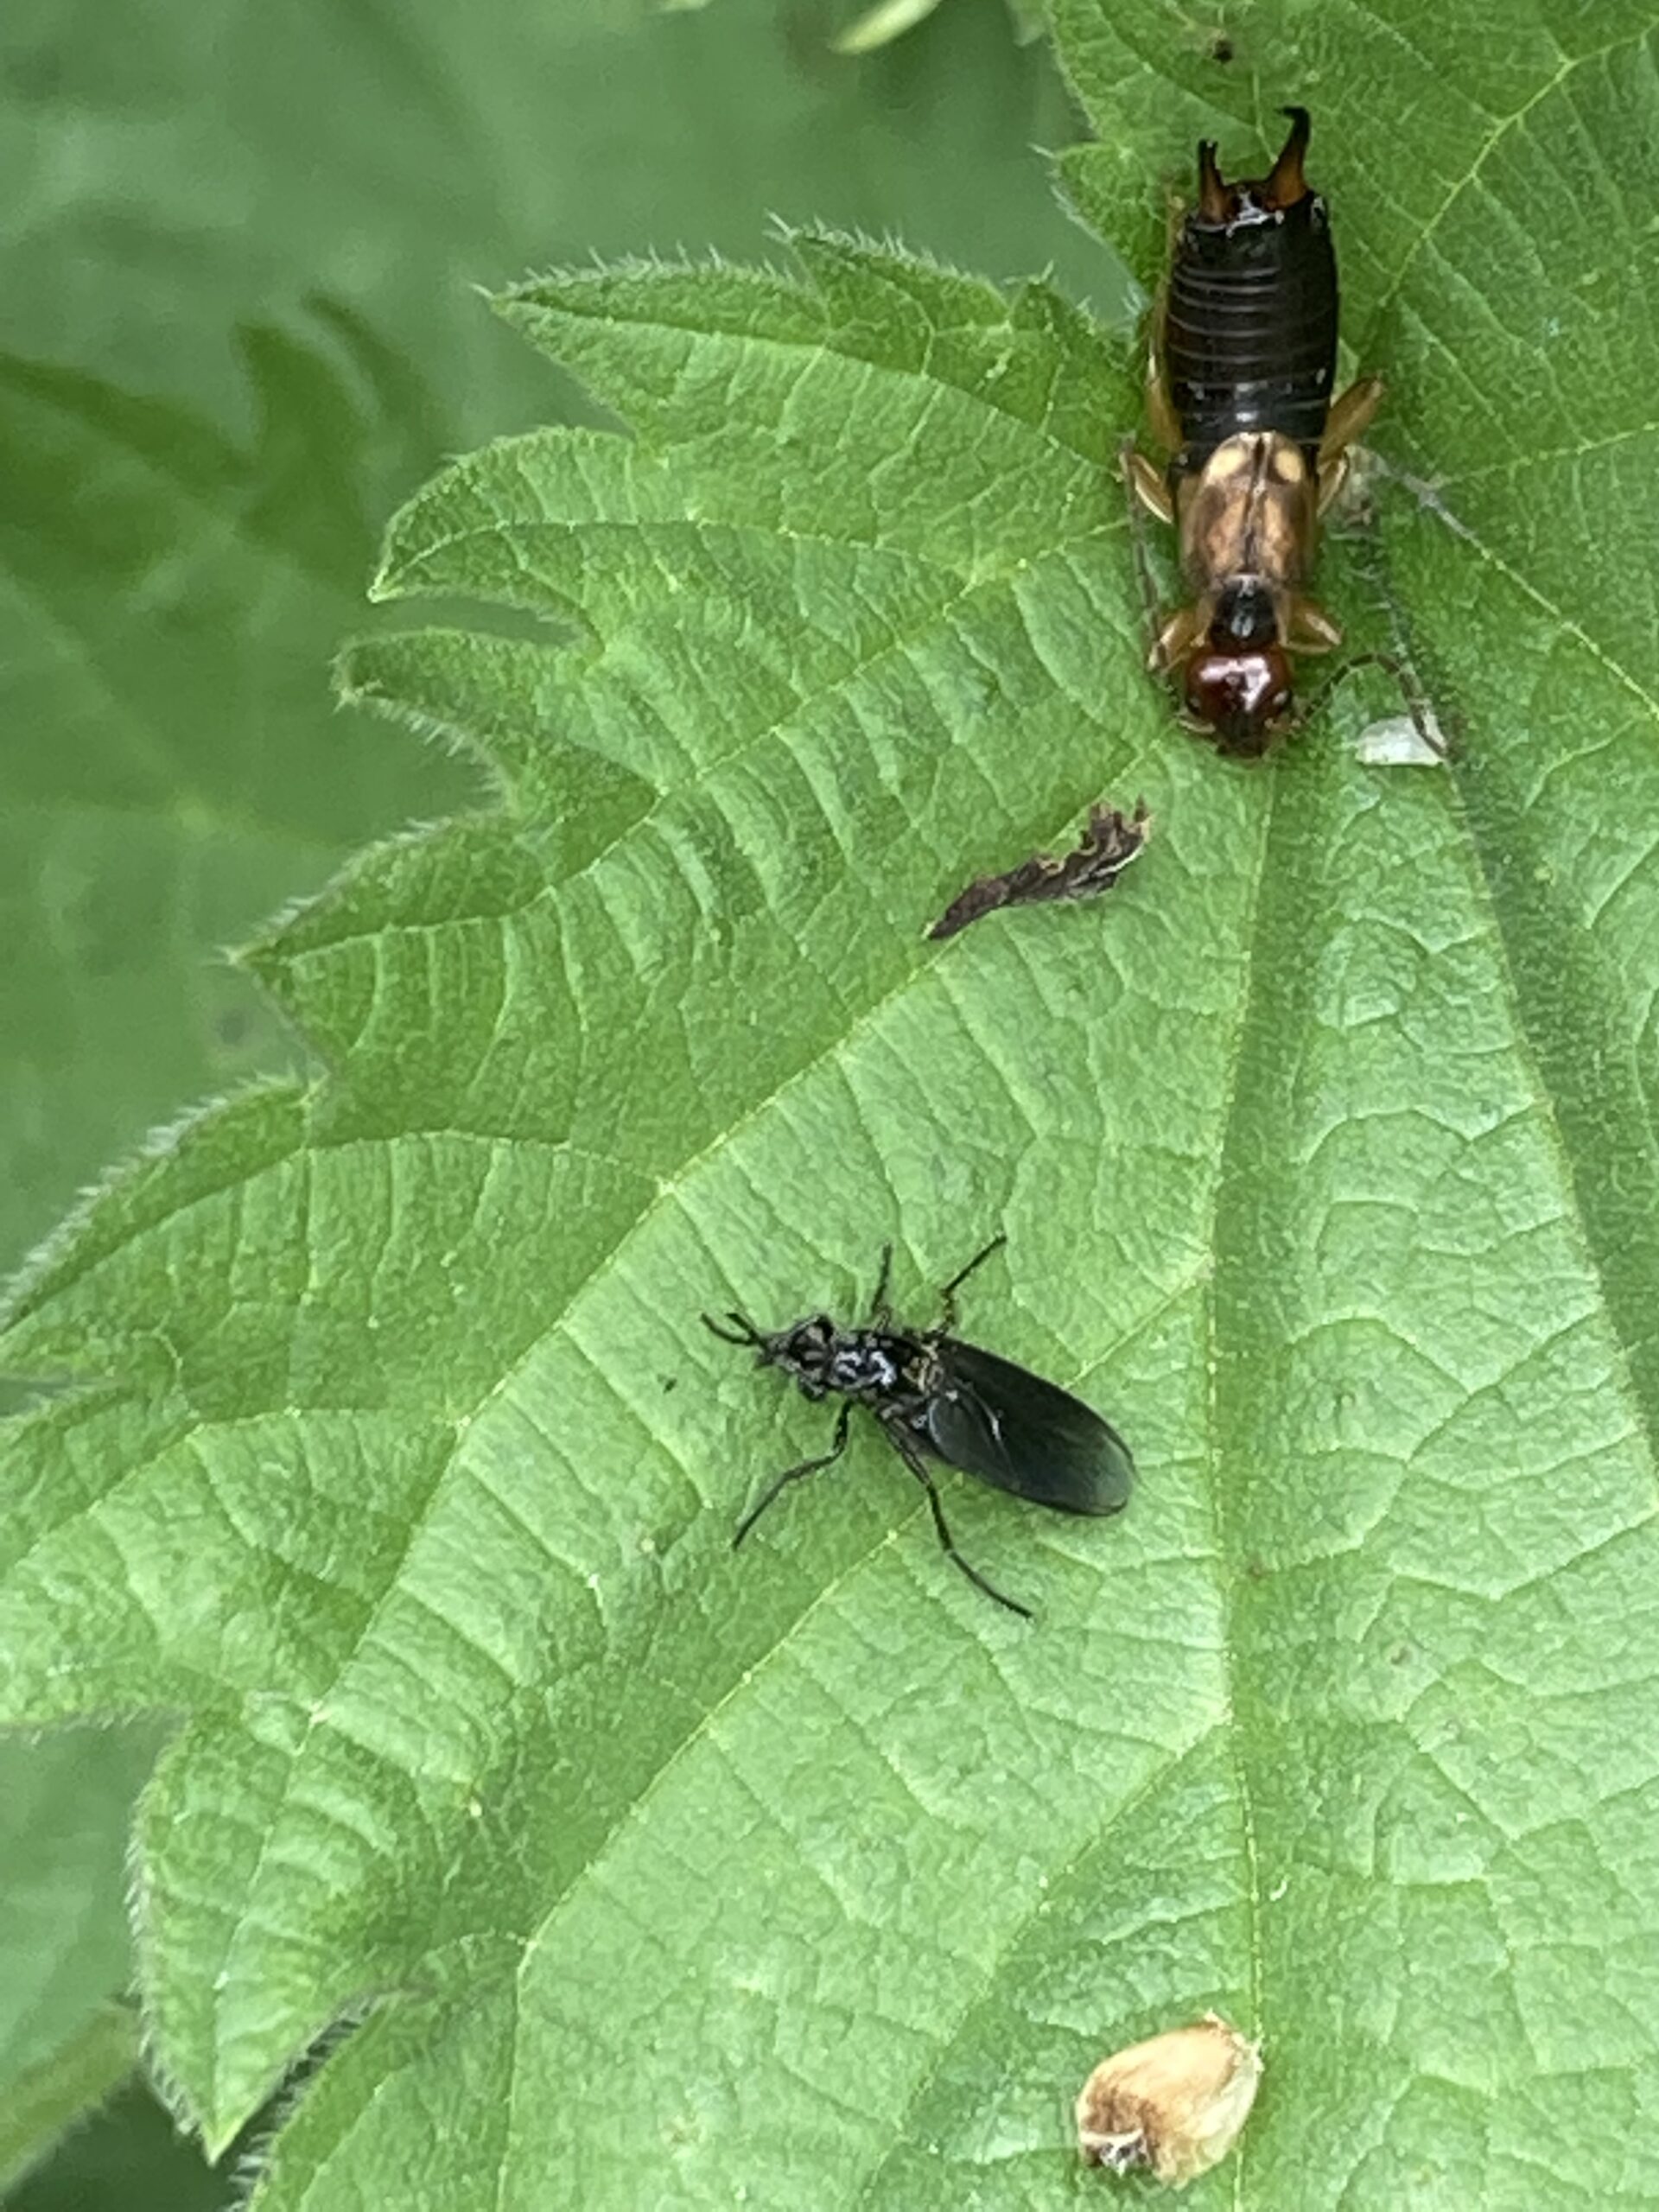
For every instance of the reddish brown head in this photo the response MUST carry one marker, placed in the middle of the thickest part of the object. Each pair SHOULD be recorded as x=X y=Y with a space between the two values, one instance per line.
x=1242 y=698
x=1237 y=684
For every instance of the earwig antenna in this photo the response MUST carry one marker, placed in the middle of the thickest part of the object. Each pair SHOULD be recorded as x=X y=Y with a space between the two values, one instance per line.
x=1418 y=705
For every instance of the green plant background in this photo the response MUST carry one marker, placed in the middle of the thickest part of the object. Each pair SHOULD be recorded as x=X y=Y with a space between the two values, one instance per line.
x=243 y=323
x=1329 y=1162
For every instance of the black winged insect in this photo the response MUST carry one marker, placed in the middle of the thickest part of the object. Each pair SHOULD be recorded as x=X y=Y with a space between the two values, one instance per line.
x=938 y=1398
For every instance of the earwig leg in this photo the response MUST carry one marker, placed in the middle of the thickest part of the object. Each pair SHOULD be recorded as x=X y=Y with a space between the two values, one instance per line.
x=880 y=1312
x=1176 y=639
x=1348 y=421
x=1140 y=480
x=1146 y=483
x=1311 y=629
x=948 y=1294
x=796 y=1474
x=1333 y=475
x=1164 y=423
x=919 y=1467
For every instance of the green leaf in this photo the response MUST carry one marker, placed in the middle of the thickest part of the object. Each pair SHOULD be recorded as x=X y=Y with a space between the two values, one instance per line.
x=165 y=597
x=397 y=160
x=56 y=2092
x=173 y=591
x=128 y=2154
x=62 y=1929
x=400 y=1464
x=168 y=598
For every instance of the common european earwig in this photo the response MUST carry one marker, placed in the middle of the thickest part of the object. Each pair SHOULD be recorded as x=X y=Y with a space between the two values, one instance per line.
x=1243 y=356
x=936 y=1397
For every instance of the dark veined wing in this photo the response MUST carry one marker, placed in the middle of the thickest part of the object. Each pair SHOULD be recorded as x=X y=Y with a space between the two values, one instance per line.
x=1007 y=1425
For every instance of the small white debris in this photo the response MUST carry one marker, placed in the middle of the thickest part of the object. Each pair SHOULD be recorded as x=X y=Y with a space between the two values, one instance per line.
x=1397 y=742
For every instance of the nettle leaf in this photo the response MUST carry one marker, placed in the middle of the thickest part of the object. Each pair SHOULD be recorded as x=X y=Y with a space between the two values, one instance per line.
x=400 y=1467
x=166 y=597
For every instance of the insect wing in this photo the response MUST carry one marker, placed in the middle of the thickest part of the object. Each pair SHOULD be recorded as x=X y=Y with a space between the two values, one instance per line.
x=1007 y=1425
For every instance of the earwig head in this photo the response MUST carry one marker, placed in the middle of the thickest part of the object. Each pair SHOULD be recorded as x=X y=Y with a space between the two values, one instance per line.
x=1239 y=697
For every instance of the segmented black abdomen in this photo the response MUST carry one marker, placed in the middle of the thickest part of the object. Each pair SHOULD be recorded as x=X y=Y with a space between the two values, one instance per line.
x=1251 y=328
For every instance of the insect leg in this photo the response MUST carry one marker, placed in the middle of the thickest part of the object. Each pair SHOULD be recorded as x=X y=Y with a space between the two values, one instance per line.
x=1143 y=484
x=1311 y=629
x=1165 y=422
x=1146 y=484
x=1177 y=638
x=948 y=1295
x=795 y=1474
x=1350 y=417
x=919 y=1467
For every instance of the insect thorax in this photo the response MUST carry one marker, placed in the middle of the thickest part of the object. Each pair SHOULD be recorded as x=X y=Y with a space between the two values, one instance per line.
x=877 y=1367
x=1250 y=511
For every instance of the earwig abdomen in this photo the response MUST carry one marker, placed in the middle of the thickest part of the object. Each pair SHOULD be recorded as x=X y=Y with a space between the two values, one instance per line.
x=1250 y=324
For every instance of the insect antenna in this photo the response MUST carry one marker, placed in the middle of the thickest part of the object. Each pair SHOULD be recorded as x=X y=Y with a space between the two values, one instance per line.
x=1423 y=718
x=743 y=1330
x=880 y=1311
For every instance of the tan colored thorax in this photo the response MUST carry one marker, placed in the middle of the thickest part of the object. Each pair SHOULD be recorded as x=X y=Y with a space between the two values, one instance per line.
x=1251 y=511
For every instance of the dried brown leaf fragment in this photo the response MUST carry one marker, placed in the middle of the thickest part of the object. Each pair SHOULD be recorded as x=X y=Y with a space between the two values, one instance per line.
x=1111 y=840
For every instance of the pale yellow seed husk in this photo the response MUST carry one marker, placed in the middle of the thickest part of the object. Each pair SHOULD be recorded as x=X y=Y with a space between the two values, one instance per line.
x=1175 y=2103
